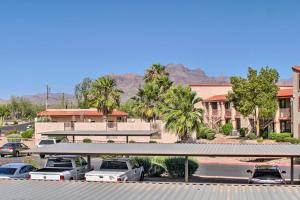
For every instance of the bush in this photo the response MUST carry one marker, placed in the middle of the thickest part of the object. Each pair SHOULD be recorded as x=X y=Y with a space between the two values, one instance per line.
x=14 y=138
x=227 y=128
x=152 y=141
x=11 y=132
x=252 y=136
x=131 y=141
x=210 y=136
x=28 y=134
x=260 y=140
x=205 y=133
x=110 y=141
x=175 y=166
x=279 y=137
x=156 y=170
x=87 y=140
x=145 y=162
x=243 y=132
x=291 y=140
x=15 y=122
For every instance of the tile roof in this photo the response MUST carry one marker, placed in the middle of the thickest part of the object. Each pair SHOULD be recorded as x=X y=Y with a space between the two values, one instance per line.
x=73 y=190
x=296 y=68
x=83 y=112
x=221 y=97
x=285 y=93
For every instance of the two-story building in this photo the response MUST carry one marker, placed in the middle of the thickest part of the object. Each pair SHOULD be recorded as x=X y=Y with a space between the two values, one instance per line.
x=219 y=111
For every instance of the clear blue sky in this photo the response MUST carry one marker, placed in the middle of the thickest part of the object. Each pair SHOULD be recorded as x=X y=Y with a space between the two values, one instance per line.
x=59 y=42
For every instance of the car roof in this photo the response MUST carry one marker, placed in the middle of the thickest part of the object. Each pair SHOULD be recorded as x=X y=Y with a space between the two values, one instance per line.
x=14 y=165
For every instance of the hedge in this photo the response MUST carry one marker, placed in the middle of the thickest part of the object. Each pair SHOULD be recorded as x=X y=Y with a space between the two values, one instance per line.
x=28 y=133
x=87 y=140
x=176 y=168
x=227 y=128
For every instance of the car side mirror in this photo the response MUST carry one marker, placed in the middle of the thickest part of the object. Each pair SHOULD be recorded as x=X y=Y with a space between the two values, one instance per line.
x=249 y=171
x=283 y=172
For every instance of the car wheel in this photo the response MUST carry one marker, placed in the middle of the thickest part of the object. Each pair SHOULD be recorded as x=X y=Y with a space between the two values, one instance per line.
x=2 y=155
x=42 y=156
x=142 y=176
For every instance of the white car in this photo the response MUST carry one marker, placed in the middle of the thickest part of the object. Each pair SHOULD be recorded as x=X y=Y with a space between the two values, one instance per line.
x=62 y=168
x=46 y=142
x=117 y=170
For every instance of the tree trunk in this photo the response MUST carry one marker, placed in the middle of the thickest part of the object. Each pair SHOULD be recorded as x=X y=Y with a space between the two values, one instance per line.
x=257 y=121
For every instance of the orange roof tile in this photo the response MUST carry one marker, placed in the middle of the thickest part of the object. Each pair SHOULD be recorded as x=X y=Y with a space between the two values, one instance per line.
x=285 y=93
x=296 y=68
x=222 y=97
x=79 y=113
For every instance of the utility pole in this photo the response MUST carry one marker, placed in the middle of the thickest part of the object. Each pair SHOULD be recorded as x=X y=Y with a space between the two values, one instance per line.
x=47 y=95
x=63 y=100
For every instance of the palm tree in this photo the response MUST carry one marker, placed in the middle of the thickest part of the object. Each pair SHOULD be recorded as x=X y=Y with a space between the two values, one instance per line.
x=178 y=110
x=155 y=71
x=104 y=95
x=145 y=101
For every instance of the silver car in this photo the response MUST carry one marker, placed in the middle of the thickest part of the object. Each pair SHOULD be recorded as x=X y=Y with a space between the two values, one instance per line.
x=16 y=170
x=264 y=174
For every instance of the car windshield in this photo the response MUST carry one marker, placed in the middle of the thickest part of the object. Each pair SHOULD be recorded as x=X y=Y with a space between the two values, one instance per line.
x=267 y=174
x=47 y=142
x=114 y=165
x=59 y=162
x=9 y=145
x=7 y=171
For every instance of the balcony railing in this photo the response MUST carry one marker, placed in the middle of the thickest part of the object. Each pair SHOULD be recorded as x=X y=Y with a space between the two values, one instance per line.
x=215 y=112
x=284 y=113
x=228 y=113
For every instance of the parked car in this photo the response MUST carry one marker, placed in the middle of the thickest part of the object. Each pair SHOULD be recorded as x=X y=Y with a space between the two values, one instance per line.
x=62 y=168
x=13 y=148
x=16 y=170
x=266 y=175
x=117 y=170
x=45 y=142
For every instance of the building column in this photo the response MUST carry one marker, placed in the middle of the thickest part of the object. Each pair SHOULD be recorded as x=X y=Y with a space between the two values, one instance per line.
x=89 y=162
x=233 y=113
x=222 y=105
x=276 y=120
x=209 y=113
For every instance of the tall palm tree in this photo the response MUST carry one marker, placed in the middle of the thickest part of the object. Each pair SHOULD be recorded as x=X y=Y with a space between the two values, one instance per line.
x=178 y=110
x=155 y=71
x=104 y=95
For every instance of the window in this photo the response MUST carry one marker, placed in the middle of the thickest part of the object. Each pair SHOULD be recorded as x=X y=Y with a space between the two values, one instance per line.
x=59 y=162
x=284 y=103
x=77 y=162
x=227 y=105
x=83 y=162
x=214 y=105
x=120 y=165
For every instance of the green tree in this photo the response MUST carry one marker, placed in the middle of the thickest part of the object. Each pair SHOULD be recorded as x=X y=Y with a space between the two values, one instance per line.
x=155 y=71
x=178 y=110
x=256 y=95
x=157 y=82
x=104 y=95
x=129 y=107
x=82 y=91
x=4 y=112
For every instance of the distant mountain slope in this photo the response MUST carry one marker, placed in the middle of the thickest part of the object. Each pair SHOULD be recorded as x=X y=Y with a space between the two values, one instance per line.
x=130 y=83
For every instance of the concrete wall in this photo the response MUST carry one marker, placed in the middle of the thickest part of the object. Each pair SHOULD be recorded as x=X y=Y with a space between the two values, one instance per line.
x=85 y=126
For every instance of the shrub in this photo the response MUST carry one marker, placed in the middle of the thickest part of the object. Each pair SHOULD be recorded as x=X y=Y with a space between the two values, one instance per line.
x=11 y=132
x=145 y=162
x=152 y=141
x=279 y=137
x=252 y=136
x=227 y=128
x=156 y=170
x=15 y=122
x=28 y=133
x=14 y=138
x=110 y=141
x=175 y=166
x=243 y=132
x=210 y=136
x=260 y=140
x=87 y=140
x=204 y=132
x=291 y=140
x=131 y=141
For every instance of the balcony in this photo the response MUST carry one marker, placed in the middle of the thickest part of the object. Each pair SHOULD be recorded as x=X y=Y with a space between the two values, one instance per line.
x=41 y=127
x=215 y=112
x=228 y=113
x=284 y=113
